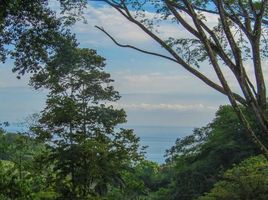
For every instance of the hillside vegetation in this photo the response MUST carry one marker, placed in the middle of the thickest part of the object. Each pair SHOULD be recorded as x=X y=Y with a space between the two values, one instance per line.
x=214 y=162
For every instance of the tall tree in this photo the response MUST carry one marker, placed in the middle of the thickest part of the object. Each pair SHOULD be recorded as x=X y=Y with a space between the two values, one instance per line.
x=238 y=39
x=200 y=158
x=88 y=153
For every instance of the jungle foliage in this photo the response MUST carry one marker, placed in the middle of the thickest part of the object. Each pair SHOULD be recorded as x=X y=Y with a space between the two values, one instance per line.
x=214 y=162
x=75 y=150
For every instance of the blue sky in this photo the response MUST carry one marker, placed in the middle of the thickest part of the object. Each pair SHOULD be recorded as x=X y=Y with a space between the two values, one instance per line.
x=154 y=91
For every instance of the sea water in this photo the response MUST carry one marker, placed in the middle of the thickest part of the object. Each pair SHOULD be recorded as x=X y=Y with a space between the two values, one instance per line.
x=159 y=139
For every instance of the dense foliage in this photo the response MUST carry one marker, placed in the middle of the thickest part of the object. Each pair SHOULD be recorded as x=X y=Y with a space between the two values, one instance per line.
x=198 y=161
x=248 y=180
x=84 y=152
x=30 y=31
x=209 y=164
x=19 y=177
x=87 y=152
x=201 y=158
x=75 y=150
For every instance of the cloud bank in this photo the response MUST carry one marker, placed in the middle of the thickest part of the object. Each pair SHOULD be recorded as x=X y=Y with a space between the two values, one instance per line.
x=166 y=107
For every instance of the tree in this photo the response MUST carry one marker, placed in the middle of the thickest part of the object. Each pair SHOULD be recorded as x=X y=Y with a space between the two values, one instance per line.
x=30 y=31
x=200 y=159
x=19 y=178
x=87 y=152
x=248 y=180
x=145 y=181
x=239 y=37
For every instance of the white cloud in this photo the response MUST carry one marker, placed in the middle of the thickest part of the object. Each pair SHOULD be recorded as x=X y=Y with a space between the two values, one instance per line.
x=159 y=82
x=125 y=31
x=152 y=78
x=167 y=107
x=112 y=21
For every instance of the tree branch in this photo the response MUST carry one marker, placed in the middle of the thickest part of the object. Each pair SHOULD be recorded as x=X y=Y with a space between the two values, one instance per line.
x=135 y=48
x=255 y=44
x=236 y=51
x=264 y=21
x=224 y=83
x=191 y=70
x=217 y=47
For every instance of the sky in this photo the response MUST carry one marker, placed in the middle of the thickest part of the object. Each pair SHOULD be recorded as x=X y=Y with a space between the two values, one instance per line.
x=154 y=91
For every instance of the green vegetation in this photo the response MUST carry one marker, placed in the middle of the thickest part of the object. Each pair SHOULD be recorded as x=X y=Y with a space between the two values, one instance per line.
x=86 y=152
x=30 y=31
x=199 y=160
x=215 y=162
x=75 y=151
x=248 y=180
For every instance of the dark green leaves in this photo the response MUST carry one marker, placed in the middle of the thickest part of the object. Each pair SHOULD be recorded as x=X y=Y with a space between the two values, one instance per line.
x=88 y=153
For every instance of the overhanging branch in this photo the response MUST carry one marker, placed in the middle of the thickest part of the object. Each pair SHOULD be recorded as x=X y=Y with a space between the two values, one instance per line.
x=133 y=47
x=196 y=73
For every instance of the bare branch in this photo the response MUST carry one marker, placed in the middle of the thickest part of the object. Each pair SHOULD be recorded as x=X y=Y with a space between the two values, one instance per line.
x=259 y=17
x=234 y=17
x=246 y=16
x=180 y=18
x=255 y=44
x=135 y=48
x=230 y=37
x=251 y=86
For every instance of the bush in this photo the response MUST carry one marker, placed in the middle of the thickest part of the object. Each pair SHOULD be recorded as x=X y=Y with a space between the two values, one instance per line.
x=248 y=180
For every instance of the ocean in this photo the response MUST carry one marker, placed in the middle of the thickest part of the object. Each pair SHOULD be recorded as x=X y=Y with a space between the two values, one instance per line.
x=157 y=138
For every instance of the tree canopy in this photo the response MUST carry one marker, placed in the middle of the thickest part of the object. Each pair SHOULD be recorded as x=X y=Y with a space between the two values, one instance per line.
x=248 y=180
x=30 y=31
x=87 y=151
